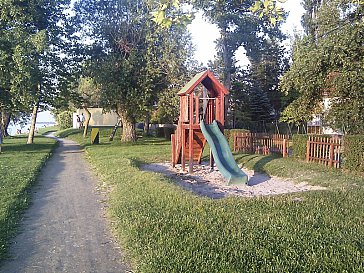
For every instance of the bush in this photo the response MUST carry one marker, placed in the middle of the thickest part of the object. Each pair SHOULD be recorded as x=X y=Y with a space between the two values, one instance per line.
x=159 y=132
x=299 y=146
x=167 y=132
x=64 y=120
x=164 y=132
x=354 y=153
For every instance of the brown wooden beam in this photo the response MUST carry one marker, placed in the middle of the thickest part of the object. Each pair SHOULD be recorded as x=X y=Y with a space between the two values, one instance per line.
x=190 y=136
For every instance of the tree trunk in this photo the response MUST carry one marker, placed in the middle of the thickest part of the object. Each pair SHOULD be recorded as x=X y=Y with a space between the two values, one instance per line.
x=6 y=124
x=2 y=125
x=227 y=75
x=128 y=121
x=146 y=125
x=87 y=121
x=32 y=125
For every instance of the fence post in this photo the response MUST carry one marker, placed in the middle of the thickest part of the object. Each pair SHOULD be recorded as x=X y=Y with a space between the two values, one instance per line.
x=173 y=141
x=308 y=150
x=331 y=154
x=284 y=153
x=235 y=140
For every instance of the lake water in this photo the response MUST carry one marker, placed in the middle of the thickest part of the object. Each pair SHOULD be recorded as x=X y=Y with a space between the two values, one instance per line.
x=44 y=119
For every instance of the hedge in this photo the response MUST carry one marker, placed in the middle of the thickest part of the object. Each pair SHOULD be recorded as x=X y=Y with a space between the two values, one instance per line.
x=353 y=155
x=299 y=146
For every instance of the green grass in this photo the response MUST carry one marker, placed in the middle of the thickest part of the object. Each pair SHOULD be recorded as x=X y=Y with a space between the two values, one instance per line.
x=300 y=171
x=46 y=130
x=19 y=166
x=167 y=229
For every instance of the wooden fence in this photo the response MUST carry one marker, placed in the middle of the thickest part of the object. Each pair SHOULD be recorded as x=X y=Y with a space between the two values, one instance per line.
x=324 y=150
x=261 y=143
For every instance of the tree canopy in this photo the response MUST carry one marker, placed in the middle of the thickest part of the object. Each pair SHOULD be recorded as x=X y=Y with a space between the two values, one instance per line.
x=33 y=39
x=328 y=62
x=131 y=59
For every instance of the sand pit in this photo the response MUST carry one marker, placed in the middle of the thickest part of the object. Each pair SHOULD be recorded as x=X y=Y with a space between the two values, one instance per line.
x=212 y=184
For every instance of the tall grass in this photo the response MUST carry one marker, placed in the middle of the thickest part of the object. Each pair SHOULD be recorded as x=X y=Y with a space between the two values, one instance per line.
x=167 y=229
x=19 y=166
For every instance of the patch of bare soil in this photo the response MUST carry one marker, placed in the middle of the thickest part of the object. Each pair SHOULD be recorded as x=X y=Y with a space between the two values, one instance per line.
x=210 y=183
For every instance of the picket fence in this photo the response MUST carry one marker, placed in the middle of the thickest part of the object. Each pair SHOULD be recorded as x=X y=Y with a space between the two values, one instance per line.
x=324 y=150
x=261 y=143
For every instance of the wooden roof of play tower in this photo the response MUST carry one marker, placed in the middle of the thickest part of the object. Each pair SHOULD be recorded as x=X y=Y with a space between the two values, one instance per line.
x=207 y=79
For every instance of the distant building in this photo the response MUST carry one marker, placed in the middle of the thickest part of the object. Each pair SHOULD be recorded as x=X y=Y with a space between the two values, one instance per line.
x=316 y=126
x=98 y=118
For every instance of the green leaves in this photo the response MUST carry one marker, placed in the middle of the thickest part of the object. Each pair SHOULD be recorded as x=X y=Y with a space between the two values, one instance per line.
x=136 y=60
x=170 y=13
x=328 y=62
x=33 y=42
x=268 y=9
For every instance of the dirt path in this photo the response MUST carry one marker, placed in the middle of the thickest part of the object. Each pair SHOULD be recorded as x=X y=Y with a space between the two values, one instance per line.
x=65 y=230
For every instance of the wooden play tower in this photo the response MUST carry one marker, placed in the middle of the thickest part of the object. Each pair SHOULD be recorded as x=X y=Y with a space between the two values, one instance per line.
x=201 y=100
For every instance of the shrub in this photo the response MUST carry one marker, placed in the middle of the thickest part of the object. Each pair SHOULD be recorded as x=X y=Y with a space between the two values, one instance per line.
x=354 y=152
x=64 y=119
x=164 y=132
x=299 y=146
x=159 y=132
x=167 y=132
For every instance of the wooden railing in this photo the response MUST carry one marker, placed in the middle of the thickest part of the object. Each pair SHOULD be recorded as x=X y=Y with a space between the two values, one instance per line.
x=324 y=150
x=261 y=143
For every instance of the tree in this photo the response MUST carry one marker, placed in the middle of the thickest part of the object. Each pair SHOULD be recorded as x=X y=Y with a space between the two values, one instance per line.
x=328 y=61
x=87 y=95
x=132 y=60
x=33 y=42
x=166 y=13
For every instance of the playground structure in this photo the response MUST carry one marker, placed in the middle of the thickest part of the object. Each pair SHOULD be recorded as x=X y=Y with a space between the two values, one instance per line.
x=201 y=120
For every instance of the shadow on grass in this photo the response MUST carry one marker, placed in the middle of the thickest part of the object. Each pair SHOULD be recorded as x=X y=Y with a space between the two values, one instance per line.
x=257 y=162
x=243 y=156
x=24 y=147
x=153 y=141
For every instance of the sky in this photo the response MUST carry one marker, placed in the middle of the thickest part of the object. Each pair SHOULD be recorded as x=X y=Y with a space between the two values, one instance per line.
x=204 y=34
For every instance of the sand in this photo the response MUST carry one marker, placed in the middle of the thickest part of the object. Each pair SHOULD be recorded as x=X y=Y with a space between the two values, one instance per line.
x=210 y=183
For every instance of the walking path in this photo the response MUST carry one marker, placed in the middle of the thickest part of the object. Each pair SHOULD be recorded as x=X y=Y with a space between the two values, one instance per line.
x=65 y=230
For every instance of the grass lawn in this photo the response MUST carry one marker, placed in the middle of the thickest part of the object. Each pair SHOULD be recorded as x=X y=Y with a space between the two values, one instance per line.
x=19 y=166
x=164 y=228
x=48 y=129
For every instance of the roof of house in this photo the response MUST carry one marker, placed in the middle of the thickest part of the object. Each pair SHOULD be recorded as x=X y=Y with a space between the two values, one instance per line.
x=207 y=79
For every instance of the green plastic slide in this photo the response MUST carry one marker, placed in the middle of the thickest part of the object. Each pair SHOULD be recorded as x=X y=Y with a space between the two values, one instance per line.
x=223 y=157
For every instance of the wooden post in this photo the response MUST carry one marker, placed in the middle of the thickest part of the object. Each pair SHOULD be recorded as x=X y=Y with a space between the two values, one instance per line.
x=308 y=150
x=213 y=111
x=284 y=147
x=210 y=111
x=197 y=110
x=183 y=154
x=235 y=142
x=218 y=110
x=190 y=136
x=173 y=142
x=331 y=154
x=211 y=160
x=222 y=110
